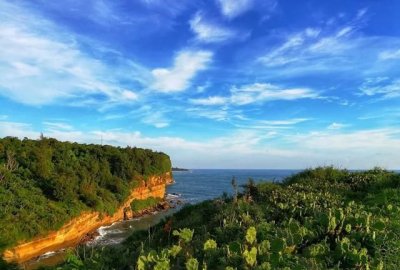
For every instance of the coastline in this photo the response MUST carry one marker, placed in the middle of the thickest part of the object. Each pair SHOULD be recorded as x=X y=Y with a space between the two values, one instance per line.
x=163 y=206
x=97 y=238
x=73 y=232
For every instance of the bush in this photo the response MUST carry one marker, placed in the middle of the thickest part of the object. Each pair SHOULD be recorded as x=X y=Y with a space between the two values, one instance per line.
x=138 y=205
x=319 y=219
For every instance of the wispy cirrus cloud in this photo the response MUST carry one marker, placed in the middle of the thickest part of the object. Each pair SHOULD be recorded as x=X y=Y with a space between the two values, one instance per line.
x=382 y=87
x=286 y=122
x=335 y=126
x=42 y=64
x=331 y=47
x=309 y=45
x=220 y=114
x=58 y=125
x=234 y=8
x=263 y=92
x=389 y=55
x=274 y=127
x=209 y=32
x=154 y=115
x=212 y=100
x=187 y=64
x=257 y=93
x=151 y=116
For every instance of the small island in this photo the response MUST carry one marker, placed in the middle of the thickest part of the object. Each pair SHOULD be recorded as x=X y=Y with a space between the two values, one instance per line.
x=176 y=169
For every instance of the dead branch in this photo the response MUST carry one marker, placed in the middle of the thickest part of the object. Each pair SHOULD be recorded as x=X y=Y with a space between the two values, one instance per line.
x=12 y=163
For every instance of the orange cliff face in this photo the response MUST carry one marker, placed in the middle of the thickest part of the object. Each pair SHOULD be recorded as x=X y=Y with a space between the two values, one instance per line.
x=72 y=232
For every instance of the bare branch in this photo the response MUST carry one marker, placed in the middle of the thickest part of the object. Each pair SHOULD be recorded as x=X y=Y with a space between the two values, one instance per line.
x=12 y=163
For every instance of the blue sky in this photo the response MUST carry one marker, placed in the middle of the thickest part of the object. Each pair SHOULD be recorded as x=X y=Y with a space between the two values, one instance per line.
x=215 y=84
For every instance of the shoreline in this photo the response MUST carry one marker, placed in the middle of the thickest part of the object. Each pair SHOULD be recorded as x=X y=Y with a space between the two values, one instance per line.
x=162 y=206
x=54 y=257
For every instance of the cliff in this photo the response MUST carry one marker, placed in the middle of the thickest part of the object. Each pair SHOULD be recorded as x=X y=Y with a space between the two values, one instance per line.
x=72 y=232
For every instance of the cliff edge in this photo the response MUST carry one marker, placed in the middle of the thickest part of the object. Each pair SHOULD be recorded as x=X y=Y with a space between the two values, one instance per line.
x=72 y=232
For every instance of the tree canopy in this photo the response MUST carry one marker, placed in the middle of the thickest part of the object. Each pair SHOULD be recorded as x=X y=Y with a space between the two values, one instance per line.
x=44 y=183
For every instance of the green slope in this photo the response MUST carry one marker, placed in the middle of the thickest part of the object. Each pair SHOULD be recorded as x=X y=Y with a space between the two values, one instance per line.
x=318 y=219
x=44 y=183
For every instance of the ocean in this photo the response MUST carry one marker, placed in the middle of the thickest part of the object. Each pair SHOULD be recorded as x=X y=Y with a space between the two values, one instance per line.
x=202 y=184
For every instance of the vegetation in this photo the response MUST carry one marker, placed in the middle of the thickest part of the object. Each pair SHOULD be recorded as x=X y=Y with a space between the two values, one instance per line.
x=138 y=205
x=318 y=219
x=176 y=169
x=44 y=183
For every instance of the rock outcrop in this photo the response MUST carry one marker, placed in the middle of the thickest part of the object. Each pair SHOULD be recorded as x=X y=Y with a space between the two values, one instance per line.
x=73 y=232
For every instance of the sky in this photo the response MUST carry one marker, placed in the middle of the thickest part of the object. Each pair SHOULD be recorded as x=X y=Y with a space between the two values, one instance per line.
x=215 y=84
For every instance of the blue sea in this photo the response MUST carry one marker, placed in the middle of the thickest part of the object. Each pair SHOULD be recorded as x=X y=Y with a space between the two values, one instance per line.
x=202 y=184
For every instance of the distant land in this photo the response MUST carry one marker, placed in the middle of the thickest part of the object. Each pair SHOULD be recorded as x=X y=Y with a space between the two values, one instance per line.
x=176 y=169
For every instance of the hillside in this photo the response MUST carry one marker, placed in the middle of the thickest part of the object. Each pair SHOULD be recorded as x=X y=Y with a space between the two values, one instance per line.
x=46 y=183
x=318 y=219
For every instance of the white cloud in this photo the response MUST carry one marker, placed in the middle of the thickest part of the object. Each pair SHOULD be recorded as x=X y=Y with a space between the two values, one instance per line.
x=273 y=126
x=209 y=32
x=279 y=56
x=312 y=32
x=335 y=126
x=155 y=119
x=177 y=78
x=129 y=95
x=389 y=55
x=151 y=115
x=58 y=125
x=382 y=87
x=43 y=64
x=202 y=88
x=221 y=114
x=378 y=139
x=214 y=100
x=262 y=92
x=327 y=48
x=344 y=31
x=234 y=8
x=21 y=130
x=257 y=93
x=25 y=70
x=308 y=45
x=248 y=148
x=358 y=149
x=284 y=122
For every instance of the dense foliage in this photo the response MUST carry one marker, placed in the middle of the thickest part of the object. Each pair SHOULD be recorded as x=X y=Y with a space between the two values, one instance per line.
x=44 y=183
x=318 y=219
x=139 y=205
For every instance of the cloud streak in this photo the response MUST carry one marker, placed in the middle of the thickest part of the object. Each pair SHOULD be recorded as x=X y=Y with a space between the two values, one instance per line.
x=41 y=64
x=382 y=87
x=257 y=93
x=234 y=8
x=186 y=65
x=209 y=32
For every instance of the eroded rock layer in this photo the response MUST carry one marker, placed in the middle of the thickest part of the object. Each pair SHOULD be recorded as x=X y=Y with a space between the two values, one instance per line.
x=72 y=232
